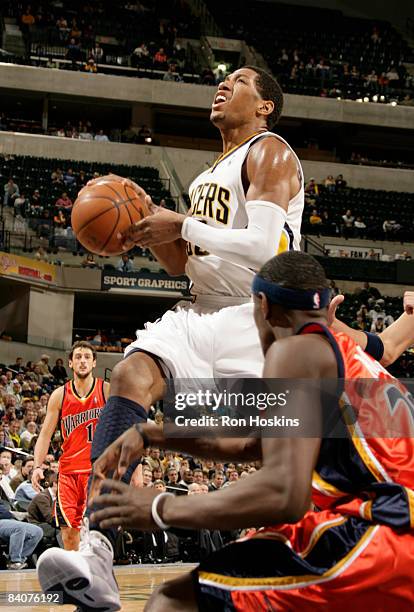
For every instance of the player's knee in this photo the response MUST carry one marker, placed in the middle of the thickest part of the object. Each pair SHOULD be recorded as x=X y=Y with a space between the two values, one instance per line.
x=137 y=375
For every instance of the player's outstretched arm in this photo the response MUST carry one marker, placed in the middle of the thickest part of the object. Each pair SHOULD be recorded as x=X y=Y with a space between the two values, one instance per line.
x=43 y=441
x=281 y=488
x=396 y=338
x=129 y=447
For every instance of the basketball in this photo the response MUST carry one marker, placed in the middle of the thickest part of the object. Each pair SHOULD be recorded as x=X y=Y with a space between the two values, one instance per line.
x=104 y=210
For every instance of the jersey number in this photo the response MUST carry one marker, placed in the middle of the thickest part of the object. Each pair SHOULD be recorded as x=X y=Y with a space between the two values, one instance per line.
x=90 y=429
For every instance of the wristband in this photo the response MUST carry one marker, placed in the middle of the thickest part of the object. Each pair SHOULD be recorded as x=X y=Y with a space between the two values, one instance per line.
x=375 y=346
x=145 y=439
x=154 y=510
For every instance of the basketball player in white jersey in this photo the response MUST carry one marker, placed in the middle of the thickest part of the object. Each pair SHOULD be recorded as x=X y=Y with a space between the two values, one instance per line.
x=245 y=209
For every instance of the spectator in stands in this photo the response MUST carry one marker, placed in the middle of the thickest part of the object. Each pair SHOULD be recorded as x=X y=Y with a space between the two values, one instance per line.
x=311 y=191
x=75 y=32
x=140 y=56
x=348 y=224
x=129 y=135
x=11 y=192
x=59 y=219
x=369 y=292
x=172 y=484
x=27 y=435
x=217 y=481
x=44 y=366
x=64 y=202
x=393 y=76
x=73 y=52
x=146 y=476
x=89 y=261
x=159 y=485
x=378 y=325
x=207 y=77
x=172 y=74
x=57 y=176
x=25 y=492
x=154 y=460
x=315 y=218
x=14 y=427
x=334 y=289
x=21 y=204
x=90 y=66
x=62 y=26
x=41 y=254
x=330 y=183
x=160 y=59
x=59 y=371
x=97 y=53
x=125 y=264
x=187 y=478
x=26 y=468
x=372 y=80
x=23 y=538
x=9 y=472
x=101 y=137
x=69 y=178
x=360 y=228
x=41 y=508
x=85 y=134
x=340 y=182
x=372 y=255
x=144 y=135
x=27 y=18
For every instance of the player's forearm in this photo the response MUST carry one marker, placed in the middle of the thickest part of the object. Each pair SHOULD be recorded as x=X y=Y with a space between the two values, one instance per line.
x=397 y=338
x=243 y=449
x=250 y=247
x=172 y=256
x=357 y=335
x=41 y=449
x=257 y=500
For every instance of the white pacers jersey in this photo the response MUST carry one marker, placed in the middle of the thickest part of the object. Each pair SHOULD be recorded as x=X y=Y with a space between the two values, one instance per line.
x=218 y=198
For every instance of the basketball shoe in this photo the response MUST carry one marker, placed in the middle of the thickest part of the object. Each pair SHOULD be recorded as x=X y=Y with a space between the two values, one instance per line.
x=85 y=576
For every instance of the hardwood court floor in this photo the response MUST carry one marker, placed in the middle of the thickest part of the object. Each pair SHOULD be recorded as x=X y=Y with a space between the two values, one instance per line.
x=136 y=583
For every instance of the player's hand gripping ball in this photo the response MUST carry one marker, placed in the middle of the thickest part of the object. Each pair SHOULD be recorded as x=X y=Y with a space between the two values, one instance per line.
x=104 y=209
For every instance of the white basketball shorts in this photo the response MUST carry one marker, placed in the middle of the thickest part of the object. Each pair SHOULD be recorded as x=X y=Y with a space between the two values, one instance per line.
x=205 y=340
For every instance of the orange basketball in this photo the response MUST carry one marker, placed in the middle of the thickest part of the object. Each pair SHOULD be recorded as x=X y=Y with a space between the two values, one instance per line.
x=103 y=210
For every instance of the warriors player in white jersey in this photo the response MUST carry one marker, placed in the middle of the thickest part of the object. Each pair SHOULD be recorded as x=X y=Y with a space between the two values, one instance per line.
x=246 y=208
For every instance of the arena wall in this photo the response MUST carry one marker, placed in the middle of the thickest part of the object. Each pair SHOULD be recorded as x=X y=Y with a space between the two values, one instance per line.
x=188 y=162
x=187 y=95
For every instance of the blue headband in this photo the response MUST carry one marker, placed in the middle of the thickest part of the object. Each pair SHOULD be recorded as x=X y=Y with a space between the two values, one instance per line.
x=292 y=299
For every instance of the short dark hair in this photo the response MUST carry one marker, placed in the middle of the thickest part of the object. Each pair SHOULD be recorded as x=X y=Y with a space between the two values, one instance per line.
x=269 y=89
x=295 y=270
x=26 y=460
x=82 y=344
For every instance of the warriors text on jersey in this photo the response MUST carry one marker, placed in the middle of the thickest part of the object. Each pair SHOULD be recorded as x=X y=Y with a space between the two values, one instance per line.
x=78 y=421
x=218 y=198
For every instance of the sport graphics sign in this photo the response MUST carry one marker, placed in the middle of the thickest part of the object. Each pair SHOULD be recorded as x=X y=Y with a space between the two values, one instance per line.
x=146 y=282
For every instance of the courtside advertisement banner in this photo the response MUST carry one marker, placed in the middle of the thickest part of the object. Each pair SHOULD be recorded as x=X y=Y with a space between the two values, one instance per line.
x=29 y=269
x=330 y=408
